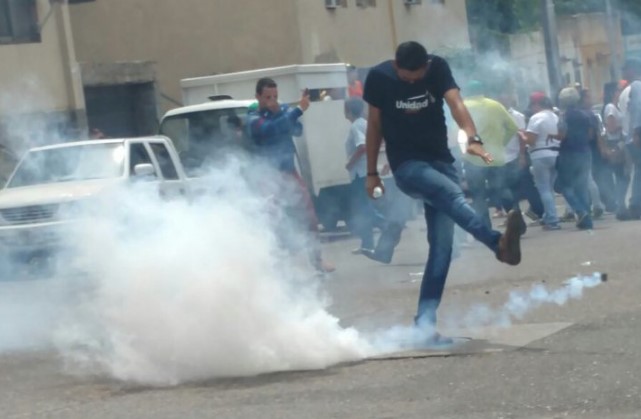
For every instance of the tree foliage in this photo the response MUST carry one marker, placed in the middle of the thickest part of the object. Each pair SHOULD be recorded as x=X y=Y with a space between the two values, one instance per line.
x=496 y=17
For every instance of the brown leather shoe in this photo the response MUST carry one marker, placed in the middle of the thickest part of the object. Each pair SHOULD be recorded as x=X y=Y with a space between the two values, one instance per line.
x=510 y=242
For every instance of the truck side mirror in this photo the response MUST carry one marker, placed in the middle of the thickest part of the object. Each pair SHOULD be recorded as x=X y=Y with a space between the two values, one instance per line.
x=144 y=169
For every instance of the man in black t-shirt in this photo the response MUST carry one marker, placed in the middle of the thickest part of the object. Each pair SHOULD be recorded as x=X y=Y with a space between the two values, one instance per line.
x=405 y=98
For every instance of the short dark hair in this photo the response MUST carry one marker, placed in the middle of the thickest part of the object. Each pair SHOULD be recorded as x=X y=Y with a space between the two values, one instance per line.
x=264 y=82
x=355 y=106
x=411 y=56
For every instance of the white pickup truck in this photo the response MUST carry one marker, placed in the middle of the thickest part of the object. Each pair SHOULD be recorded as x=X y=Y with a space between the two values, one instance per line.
x=48 y=181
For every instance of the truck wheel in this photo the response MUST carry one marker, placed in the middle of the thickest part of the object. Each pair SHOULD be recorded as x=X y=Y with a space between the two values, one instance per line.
x=332 y=206
x=329 y=218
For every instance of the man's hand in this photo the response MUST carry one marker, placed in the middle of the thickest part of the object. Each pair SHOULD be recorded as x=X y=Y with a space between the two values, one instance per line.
x=371 y=183
x=304 y=100
x=476 y=149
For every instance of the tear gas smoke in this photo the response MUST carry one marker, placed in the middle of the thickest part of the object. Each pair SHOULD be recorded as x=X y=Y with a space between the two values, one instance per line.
x=176 y=292
x=483 y=316
x=29 y=310
x=521 y=303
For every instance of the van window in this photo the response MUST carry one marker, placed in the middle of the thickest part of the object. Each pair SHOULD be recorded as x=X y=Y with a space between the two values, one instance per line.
x=206 y=135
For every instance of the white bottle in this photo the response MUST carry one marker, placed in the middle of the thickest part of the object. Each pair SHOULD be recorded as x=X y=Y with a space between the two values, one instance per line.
x=377 y=192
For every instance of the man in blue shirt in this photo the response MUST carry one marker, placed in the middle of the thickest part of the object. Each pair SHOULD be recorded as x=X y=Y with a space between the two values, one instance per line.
x=574 y=162
x=405 y=98
x=272 y=126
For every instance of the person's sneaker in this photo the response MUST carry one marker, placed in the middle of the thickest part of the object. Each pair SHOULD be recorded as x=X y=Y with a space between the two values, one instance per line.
x=551 y=227
x=361 y=250
x=585 y=222
x=635 y=212
x=509 y=250
x=597 y=212
x=371 y=254
x=623 y=215
x=436 y=339
x=568 y=217
x=532 y=215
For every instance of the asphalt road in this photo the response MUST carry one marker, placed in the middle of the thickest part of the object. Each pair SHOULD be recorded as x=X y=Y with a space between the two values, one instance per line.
x=578 y=360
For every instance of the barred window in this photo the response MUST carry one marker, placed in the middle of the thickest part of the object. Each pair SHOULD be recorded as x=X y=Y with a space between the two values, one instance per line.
x=18 y=22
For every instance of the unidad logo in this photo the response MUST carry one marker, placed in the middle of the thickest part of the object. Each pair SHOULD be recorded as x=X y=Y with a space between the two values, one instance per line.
x=416 y=103
x=412 y=105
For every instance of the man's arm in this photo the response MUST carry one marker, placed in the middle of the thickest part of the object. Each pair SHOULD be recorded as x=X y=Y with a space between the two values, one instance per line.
x=511 y=129
x=262 y=128
x=373 y=140
x=357 y=137
x=532 y=131
x=360 y=150
x=464 y=120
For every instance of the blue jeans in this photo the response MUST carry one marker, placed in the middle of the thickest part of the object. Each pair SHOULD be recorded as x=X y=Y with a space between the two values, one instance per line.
x=363 y=214
x=437 y=185
x=483 y=182
x=544 y=172
x=574 y=170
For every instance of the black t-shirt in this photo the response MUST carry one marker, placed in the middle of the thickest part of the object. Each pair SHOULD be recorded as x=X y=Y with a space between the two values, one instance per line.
x=412 y=117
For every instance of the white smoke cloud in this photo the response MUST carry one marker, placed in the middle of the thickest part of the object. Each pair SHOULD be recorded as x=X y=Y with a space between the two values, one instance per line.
x=178 y=291
x=481 y=316
x=164 y=292
x=520 y=303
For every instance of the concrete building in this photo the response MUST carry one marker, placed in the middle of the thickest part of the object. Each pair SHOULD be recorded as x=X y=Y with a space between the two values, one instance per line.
x=136 y=51
x=73 y=65
x=42 y=95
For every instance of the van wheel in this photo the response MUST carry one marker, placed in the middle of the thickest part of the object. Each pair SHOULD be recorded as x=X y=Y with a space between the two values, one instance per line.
x=332 y=207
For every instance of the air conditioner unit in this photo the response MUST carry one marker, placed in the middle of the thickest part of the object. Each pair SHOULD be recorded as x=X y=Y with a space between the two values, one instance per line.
x=411 y=2
x=331 y=4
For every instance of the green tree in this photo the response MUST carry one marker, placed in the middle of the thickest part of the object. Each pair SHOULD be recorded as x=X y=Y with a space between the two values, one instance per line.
x=493 y=18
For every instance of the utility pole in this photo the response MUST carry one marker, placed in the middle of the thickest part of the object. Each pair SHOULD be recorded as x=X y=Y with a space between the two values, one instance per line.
x=550 y=38
x=612 y=40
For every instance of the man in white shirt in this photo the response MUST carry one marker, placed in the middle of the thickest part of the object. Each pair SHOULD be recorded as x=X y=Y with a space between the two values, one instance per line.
x=630 y=106
x=362 y=213
x=542 y=127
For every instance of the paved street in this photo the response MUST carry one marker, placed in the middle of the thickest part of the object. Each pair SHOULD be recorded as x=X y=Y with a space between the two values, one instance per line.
x=579 y=360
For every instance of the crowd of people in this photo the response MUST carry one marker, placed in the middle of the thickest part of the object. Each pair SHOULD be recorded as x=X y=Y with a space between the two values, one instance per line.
x=558 y=146
x=587 y=156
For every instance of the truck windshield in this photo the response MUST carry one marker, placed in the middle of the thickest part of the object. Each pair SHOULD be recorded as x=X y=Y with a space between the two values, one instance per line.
x=73 y=163
x=205 y=135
